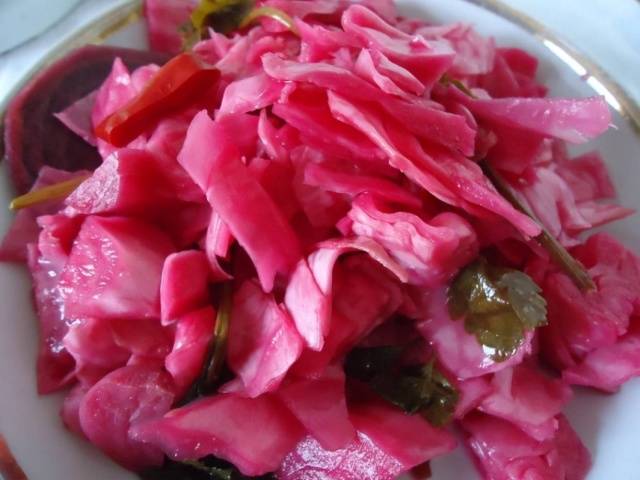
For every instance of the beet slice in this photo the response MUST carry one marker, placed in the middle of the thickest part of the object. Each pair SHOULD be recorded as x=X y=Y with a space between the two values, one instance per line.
x=33 y=137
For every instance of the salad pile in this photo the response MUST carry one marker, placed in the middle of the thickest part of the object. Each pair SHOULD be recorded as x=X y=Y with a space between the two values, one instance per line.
x=319 y=240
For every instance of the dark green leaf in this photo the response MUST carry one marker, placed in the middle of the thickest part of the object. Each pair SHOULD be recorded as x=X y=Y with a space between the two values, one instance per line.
x=223 y=16
x=207 y=468
x=498 y=306
x=420 y=390
x=365 y=363
x=425 y=391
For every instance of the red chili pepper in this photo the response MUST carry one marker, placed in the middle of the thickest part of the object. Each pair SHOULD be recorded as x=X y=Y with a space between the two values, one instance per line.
x=176 y=85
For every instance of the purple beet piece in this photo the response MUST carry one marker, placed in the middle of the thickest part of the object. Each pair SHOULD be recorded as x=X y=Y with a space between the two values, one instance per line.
x=33 y=137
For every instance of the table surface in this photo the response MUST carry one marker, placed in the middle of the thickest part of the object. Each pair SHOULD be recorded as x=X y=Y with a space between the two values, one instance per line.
x=606 y=31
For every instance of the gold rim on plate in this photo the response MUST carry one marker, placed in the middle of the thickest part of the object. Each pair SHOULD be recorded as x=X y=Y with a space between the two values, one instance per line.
x=592 y=73
x=596 y=77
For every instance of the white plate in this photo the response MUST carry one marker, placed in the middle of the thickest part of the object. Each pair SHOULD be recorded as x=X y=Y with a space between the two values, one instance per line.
x=609 y=425
x=24 y=19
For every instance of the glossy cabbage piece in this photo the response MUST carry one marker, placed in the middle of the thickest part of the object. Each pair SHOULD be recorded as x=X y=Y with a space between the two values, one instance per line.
x=250 y=94
x=431 y=251
x=475 y=54
x=277 y=178
x=243 y=205
x=426 y=119
x=567 y=195
x=216 y=244
x=572 y=120
x=393 y=79
x=426 y=60
x=193 y=335
x=595 y=323
x=24 y=228
x=353 y=184
x=607 y=368
x=321 y=42
x=77 y=117
x=100 y=346
x=457 y=350
x=102 y=277
x=239 y=55
x=183 y=284
x=472 y=392
x=147 y=340
x=321 y=407
x=388 y=443
x=512 y=151
x=148 y=184
x=126 y=397
x=365 y=296
x=306 y=110
x=263 y=341
x=513 y=75
x=91 y=344
x=46 y=260
x=527 y=398
x=127 y=183
x=164 y=19
x=254 y=434
x=303 y=8
x=443 y=173
x=503 y=452
x=309 y=295
x=70 y=410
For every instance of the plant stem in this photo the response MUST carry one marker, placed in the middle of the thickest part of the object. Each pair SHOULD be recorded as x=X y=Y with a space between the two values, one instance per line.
x=572 y=267
x=57 y=191
x=221 y=334
x=274 y=13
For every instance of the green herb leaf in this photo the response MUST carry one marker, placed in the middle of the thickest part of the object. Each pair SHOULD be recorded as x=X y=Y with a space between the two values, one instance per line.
x=223 y=16
x=207 y=468
x=420 y=390
x=366 y=363
x=498 y=306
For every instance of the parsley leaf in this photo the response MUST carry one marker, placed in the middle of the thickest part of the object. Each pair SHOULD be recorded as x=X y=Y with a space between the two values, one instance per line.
x=226 y=16
x=207 y=468
x=420 y=389
x=498 y=306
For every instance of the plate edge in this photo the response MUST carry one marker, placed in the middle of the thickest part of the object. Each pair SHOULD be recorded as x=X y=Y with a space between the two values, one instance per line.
x=627 y=106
